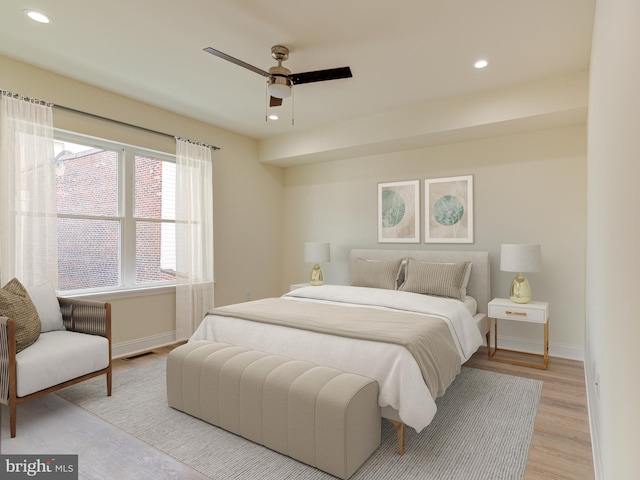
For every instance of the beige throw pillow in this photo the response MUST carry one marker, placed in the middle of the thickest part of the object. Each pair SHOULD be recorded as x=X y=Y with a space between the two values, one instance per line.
x=439 y=279
x=376 y=274
x=15 y=303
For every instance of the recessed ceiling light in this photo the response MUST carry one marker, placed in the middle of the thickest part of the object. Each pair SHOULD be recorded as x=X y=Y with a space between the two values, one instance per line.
x=37 y=16
x=481 y=64
x=273 y=117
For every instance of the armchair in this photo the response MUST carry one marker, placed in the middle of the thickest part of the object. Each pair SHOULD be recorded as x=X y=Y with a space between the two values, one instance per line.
x=58 y=358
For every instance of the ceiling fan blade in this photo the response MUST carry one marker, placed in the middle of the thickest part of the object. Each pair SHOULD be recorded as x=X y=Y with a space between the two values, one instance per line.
x=275 y=102
x=240 y=63
x=321 y=75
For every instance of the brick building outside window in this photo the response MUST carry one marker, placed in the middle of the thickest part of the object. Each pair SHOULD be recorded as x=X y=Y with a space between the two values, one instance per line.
x=116 y=222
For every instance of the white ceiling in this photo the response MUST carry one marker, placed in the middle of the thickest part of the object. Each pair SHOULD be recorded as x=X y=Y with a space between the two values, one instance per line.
x=402 y=53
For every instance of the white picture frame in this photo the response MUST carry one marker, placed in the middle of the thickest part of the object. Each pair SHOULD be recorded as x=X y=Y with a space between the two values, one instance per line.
x=399 y=212
x=449 y=209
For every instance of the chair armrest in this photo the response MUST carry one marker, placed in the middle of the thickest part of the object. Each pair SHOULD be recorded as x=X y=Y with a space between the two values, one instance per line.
x=7 y=356
x=86 y=316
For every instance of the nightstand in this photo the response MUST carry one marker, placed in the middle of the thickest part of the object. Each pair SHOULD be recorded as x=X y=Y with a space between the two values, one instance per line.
x=532 y=312
x=295 y=286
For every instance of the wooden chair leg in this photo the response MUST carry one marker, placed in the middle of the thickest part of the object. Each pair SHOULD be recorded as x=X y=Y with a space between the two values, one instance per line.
x=12 y=418
x=109 y=383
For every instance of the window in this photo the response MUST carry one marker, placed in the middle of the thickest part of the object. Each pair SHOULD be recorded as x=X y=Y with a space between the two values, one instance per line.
x=116 y=219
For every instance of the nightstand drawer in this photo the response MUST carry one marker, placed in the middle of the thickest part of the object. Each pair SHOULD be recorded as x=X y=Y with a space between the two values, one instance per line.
x=512 y=311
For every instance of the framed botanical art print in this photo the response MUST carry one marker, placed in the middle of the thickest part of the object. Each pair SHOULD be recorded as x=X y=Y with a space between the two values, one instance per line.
x=399 y=212
x=449 y=210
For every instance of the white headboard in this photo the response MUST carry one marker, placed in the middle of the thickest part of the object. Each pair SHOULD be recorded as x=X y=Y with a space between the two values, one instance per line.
x=479 y=286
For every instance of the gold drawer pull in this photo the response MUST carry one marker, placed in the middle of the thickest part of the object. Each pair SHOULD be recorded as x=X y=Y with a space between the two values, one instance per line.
x=524 y=314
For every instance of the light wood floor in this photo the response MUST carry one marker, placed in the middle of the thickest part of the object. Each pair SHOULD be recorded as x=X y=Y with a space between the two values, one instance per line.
x=561 y=443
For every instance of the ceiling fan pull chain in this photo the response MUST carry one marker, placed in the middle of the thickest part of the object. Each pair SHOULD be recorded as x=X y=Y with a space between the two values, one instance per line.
x=293 y=102
x=266 y=102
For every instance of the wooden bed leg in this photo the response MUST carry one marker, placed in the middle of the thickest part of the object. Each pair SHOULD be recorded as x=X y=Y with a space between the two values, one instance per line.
x=399 y=426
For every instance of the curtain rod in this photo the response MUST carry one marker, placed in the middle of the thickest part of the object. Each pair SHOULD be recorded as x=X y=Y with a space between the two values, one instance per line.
x=93 y=115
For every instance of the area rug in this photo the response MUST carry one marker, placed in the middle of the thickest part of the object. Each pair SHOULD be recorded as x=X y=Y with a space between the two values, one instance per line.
x=482 y=431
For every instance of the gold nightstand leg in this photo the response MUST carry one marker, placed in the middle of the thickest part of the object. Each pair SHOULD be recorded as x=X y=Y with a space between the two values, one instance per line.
x=495 y=335
x=488 y=337
x=491 y=354
x=546 y=343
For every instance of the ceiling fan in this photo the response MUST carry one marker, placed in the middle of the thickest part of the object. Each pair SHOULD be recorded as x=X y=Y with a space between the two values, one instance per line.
x=280 y=79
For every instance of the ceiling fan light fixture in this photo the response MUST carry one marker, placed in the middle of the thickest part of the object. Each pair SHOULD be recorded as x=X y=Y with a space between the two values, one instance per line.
x=280 y=80
x=279 y=87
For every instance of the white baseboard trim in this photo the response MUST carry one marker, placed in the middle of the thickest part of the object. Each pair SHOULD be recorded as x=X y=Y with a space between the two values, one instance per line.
x=570 y=352
x=592 y=399
x=141 y=345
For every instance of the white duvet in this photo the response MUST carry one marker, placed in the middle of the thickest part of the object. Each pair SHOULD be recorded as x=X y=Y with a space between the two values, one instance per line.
x=403 y=393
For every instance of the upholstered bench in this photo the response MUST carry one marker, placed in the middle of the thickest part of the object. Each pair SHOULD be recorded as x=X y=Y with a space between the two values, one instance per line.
x=321 y=416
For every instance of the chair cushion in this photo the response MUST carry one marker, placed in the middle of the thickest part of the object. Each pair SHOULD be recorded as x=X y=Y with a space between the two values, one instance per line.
x=57 y=357
x=46 y=302
x=15 y=303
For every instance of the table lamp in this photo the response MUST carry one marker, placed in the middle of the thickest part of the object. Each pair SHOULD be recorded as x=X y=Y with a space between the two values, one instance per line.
x=317 y=253
x=522 y=258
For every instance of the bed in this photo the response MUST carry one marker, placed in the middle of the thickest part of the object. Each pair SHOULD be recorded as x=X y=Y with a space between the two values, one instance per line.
x=367 y=327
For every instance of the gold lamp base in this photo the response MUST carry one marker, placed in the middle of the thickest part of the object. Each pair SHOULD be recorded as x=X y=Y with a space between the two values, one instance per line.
x=317 y=277
x=520 y=291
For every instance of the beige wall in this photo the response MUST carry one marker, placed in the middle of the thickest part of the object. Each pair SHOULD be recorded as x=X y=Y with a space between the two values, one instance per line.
x=613 y=284
x=248 y=196
x=528 y=188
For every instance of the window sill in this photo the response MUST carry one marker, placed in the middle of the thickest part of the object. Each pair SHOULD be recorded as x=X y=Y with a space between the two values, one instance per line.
x=118 y=294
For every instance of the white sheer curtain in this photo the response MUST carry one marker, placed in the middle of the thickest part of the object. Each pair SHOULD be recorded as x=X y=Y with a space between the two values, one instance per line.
x=194 y=236
x=28 y=222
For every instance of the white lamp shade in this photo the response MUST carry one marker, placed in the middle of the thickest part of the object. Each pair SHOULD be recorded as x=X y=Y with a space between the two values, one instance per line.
x=317 y=252
x=520 y=258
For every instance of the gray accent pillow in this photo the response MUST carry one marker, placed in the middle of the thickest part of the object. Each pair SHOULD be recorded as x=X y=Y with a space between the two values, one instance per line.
x=15 y=303
x=439 y=279
x=376 y=274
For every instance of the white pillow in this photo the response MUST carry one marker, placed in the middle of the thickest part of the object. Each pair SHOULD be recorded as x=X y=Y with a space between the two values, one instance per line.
x=46 y=302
